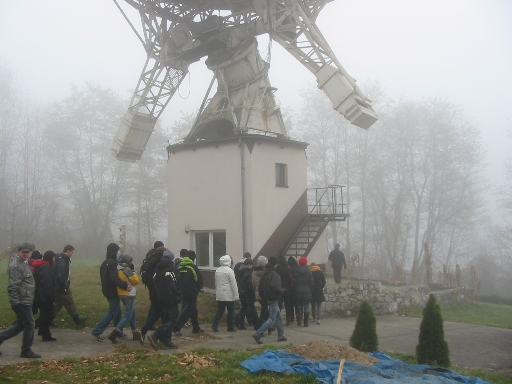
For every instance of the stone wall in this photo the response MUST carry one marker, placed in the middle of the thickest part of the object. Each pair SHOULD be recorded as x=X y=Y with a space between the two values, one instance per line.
x=346 y=298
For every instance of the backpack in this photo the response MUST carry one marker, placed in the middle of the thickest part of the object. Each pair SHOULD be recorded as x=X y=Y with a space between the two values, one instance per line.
x=146 y=269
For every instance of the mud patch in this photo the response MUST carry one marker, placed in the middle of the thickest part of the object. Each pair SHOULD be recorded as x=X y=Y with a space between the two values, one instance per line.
x=325 y=350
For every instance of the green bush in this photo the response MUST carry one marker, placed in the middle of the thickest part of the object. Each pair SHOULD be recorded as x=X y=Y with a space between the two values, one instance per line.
x=432 y=348
x=364 y=338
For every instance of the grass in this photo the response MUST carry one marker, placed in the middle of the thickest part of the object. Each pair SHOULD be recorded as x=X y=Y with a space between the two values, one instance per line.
x=492 y=315
x=131 y=365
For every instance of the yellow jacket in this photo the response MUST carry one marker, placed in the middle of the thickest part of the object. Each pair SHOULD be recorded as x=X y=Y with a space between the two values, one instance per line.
x=133 y=280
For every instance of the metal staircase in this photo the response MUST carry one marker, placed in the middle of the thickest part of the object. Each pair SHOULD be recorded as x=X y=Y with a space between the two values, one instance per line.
x=325 y=205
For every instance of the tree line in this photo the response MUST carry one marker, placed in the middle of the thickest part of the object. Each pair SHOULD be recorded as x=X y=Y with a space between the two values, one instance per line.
x=415 y=181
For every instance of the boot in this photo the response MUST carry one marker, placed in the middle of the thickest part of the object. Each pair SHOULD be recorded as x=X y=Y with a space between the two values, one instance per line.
x=114 y=335
x=288 y=320
x=306 y=319
x=137 y=336
x=79 y=320
x=300 y=313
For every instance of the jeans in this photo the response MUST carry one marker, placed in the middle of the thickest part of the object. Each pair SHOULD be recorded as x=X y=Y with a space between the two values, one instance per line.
x=263 y=314
x=114 y=313
x=222 y=305
x=154 y=314
x=188 y=310
x=129 y=313
x=169 y=316
x=274 y=315
x=24 y=322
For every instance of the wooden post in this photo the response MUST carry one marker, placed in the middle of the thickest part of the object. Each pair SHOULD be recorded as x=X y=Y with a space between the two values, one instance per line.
x=340 y=371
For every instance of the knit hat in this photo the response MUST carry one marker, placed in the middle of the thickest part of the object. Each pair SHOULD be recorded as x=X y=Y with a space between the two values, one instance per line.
x=48 y=256
x=158 y=244
x=303 y=261
x=167 y=255
x=272 y=261
x=36 y=255
x=262 y=261
x=124 y=259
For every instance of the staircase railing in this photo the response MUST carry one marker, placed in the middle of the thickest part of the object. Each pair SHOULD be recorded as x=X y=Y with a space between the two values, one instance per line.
x=325 y=204
x=326 y=200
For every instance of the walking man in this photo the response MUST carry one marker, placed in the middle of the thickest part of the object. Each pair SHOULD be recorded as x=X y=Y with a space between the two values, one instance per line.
x=109 y=283
x=21 y=289
x=64 y=297
x=338 y=262
x=270 y=290
x=191 y=282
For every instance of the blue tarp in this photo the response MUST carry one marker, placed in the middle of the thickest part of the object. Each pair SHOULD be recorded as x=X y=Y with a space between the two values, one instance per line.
x=386 y=371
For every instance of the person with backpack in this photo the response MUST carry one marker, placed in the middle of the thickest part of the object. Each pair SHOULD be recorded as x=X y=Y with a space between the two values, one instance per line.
x=270 y=290
x=45 y=293
x=110 y=281
x=247 y=296
x=168 y=296
x=147 y=271
x=283 y=269
x=126 y=274
x=191 y=283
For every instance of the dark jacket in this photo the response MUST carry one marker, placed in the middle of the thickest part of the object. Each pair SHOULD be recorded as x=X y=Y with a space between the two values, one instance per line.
x=245 y=288
x=21 y=286
x=303 y=284
x=191 y=280
x=270 y=284
x=166 y=283
x=61 y=270
x=338 y=259
x=152 y=260
x=319 y=284
x=45 y=281
x=109 y=277
x=286 y=277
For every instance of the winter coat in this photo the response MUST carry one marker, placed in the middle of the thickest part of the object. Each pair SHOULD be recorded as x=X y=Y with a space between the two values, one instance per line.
x=62 y=273
x=285 y=275
x=44 y=278
x=126 y=275
x=257 y=272
x=191 y=280
x=270 y=285
x=21 y=286
x=245 y=288
x=166 y=284
x=226 y=288
x=338 y=259
x=303 y=284
x=152 y=259
x=318 y=285
x=110 y=280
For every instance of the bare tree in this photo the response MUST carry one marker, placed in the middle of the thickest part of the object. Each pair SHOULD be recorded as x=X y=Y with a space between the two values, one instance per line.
x=90 y=182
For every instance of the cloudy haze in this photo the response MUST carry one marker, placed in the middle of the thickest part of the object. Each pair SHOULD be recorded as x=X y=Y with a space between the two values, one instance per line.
x=458 y=50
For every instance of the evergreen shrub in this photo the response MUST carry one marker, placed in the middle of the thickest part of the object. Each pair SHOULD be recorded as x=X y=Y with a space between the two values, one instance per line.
x=364 y=338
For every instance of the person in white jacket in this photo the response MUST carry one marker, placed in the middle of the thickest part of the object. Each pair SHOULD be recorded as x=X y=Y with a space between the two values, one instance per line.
x=226 y=292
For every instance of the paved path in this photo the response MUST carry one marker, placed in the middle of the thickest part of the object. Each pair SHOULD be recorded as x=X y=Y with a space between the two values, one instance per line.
x=470 y=345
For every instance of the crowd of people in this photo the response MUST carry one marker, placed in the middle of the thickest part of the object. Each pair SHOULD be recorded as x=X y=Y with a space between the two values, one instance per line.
x=41 y=283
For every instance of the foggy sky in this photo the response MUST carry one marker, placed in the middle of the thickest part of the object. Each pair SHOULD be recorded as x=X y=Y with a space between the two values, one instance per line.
x=458 y=50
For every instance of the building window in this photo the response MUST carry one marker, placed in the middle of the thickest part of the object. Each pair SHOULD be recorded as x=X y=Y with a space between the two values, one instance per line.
x=281 y=175
x=210 y=246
